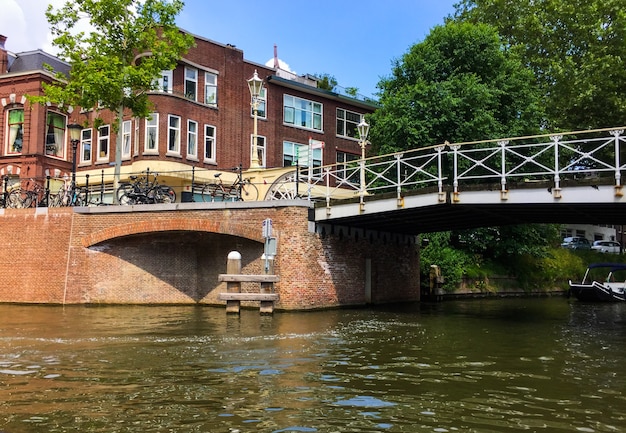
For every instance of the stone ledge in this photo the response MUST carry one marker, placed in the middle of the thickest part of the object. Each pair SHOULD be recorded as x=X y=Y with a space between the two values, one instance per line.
x=238 y=278
x=248 y=296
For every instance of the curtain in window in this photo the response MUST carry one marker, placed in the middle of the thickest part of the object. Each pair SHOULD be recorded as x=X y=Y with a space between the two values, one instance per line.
x=16 y=125
x=55 y=135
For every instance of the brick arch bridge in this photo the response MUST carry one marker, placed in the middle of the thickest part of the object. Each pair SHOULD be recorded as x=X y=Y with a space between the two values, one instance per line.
x=173 y=254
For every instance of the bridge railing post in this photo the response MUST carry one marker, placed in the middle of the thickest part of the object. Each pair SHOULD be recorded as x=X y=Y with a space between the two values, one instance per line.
x=233 y=266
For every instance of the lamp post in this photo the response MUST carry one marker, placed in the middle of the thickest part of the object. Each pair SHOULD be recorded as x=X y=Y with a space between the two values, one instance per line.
x=255 y=84
x=363 y=128
x=74 y=140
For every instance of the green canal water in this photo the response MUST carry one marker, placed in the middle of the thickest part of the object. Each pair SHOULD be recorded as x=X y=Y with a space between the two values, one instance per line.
x=552 y=365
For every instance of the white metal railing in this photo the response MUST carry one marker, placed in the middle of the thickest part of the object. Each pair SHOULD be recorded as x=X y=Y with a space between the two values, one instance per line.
x=549 y=157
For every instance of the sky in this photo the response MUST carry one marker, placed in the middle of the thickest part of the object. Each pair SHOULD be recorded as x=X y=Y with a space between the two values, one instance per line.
x=356 y=42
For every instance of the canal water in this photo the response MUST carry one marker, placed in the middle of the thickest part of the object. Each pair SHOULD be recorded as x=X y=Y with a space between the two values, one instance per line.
x=552 y=365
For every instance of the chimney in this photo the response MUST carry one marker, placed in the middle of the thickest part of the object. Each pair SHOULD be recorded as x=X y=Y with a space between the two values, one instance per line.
x=276 y=65
x=4 y=57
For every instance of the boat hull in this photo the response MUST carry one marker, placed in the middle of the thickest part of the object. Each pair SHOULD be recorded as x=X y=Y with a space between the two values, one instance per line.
x=596 y=292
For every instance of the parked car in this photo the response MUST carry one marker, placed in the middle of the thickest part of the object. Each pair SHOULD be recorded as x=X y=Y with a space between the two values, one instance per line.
x=606 y=247
x=576 y=243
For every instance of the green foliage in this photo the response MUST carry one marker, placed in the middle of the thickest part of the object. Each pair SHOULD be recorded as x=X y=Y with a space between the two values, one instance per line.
x=458 y=85
x=507 y=243
x=115 y=64
x=453 y=262
x=326 y=82
x=352 y=91
x=576 y=49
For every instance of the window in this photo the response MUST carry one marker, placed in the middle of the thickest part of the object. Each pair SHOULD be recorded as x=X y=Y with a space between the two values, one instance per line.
x=347 y=166
x=300 y=153
x=165 y=81
x=302 y=113
x=85 y=146
x=192 y=139
x=16 y=130
x=103 y=143
x=126 y=130
x=262 y=108
x=136 y=141
x=210 y=88
x=260 y=148
x=152 y=134
x=191 y=83
x=347 y=122
x=173 y=134
x=209 y=143
x=55 y=134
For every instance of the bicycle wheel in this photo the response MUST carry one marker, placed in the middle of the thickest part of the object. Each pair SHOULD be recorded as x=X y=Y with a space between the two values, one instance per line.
x=165 y=194
x=126 y=199
x=249 y=192
x=124 y=188
x=14 y=200
x=207 y=192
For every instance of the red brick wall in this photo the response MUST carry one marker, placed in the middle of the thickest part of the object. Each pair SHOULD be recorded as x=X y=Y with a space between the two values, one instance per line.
x=174 y=257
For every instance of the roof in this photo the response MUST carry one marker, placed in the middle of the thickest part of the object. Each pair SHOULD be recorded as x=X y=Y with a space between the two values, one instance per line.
x=368 y=105
x=35 y=60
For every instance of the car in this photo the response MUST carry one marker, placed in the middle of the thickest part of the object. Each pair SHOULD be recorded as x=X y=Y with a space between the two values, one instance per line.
x=576 y=243
x=606 y=247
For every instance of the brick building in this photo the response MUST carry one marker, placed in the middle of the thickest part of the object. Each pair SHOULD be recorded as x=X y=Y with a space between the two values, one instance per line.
x=202 y=119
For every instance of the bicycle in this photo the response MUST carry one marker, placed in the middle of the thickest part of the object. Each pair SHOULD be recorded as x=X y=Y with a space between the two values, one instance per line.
x=18 y=197
x=143 y=191
x=69 y=195
x=241 y=189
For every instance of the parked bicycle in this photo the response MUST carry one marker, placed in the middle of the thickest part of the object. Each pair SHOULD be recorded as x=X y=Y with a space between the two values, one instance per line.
x=143 y=190
x=32 y=194
x=69 y=195
x=241 y=189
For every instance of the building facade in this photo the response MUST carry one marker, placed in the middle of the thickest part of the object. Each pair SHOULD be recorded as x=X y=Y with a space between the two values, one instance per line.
x=202 y=123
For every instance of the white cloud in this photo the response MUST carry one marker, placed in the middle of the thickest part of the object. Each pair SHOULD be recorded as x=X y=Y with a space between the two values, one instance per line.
x=282 y=65
x=24 y=24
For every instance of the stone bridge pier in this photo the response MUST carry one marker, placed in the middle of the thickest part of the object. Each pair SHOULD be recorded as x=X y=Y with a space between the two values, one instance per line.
x=173 y=254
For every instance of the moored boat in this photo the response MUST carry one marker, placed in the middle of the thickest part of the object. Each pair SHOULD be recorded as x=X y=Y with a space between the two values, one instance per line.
x=603 y=282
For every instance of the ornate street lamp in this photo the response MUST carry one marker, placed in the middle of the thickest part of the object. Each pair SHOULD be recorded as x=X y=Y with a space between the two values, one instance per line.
x=74 y=140
x=363 y=128
x=255 y=84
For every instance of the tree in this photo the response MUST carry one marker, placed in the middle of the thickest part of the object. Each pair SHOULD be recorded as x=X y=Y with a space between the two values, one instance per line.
x=458 y=85
x=326 y=82
x=576 y=49
x=115 y=65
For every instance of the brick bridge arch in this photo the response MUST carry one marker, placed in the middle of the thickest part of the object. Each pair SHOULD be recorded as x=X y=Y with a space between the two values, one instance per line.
x=226 y=226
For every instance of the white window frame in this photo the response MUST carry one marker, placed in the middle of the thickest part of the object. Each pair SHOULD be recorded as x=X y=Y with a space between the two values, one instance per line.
x=126 y=138
x=104 y=138
x=289 y=148
x=210 y=89
x=347 y=163
x=152 y=123
x=60 y=136
x=173 y=141
x=260 y=148
x=209 y=143
x=165 y=82
x=262 y=107
x=192 y=140
x=14 y=134
x=136 y=138
x=191 y=80
x=86 y=146
x=348 y=124
x=303 y=113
